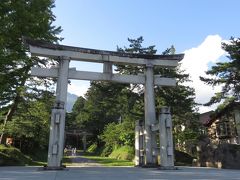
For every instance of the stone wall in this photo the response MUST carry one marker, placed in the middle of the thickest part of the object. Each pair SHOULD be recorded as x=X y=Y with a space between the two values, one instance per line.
x=219 y=156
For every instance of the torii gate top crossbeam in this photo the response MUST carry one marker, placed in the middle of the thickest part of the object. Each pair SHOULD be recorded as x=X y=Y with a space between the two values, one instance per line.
x=41 y=48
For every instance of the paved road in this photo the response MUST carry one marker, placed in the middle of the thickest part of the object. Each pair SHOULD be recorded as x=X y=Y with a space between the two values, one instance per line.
x=116 y=173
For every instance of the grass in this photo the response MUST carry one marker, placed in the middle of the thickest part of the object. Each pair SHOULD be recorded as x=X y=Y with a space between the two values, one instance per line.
x=12 y=156
x=106 y=161
x=38 y=163
x=123 y=152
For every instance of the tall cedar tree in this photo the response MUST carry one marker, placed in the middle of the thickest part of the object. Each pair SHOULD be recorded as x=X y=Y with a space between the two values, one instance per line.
x=19 y=18
x=180 y=98
x=226 y=74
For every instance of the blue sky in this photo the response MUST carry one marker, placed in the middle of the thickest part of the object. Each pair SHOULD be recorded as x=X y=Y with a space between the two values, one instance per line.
x=195 y=28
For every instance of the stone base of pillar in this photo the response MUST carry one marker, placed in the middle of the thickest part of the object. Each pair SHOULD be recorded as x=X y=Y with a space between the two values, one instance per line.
x=52 y=168
x=167 y=168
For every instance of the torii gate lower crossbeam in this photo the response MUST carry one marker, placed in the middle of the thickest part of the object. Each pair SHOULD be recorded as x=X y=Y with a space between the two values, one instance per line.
x=63 y=73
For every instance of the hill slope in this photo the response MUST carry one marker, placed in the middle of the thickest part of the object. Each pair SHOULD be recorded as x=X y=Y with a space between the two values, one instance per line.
x=71 y=98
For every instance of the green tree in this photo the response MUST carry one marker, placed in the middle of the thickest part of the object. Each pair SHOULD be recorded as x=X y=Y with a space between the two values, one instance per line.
x=30 y=124
x=78 y=105
x=180 y=98
x=101 y=107
x=77 y=110
x=18 y=18
x=118 y=134
x=226 y=74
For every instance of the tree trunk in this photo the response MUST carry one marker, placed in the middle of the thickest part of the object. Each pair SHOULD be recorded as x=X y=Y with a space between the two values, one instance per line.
x=16 y=101
x=9 y=115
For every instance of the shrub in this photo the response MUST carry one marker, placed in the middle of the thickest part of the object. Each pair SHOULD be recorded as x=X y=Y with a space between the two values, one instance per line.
x=92 y=148
x=123 y=153
x=116 y=135
x=106 y=151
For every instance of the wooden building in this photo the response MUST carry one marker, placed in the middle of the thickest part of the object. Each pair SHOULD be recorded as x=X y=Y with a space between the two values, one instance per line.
x=223 y=125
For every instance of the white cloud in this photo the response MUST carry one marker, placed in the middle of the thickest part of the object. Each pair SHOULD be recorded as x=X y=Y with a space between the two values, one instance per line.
x=78 y=87
x=196 y=63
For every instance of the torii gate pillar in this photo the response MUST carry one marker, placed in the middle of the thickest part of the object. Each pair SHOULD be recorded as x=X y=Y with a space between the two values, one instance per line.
x=56 y=139
x=150 y=117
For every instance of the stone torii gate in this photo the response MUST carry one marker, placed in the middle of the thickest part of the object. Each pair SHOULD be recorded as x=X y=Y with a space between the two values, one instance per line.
x=84 y=135
x=66 y=53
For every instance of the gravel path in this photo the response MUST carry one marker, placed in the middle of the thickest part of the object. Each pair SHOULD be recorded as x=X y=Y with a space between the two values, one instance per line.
x=81 y=162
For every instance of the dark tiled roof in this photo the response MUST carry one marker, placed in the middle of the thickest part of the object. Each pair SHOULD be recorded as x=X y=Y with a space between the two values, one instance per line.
x=205 y=118
x=209 y=117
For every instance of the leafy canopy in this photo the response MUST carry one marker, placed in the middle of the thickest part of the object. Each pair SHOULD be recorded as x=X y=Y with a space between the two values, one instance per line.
x=18 y=18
